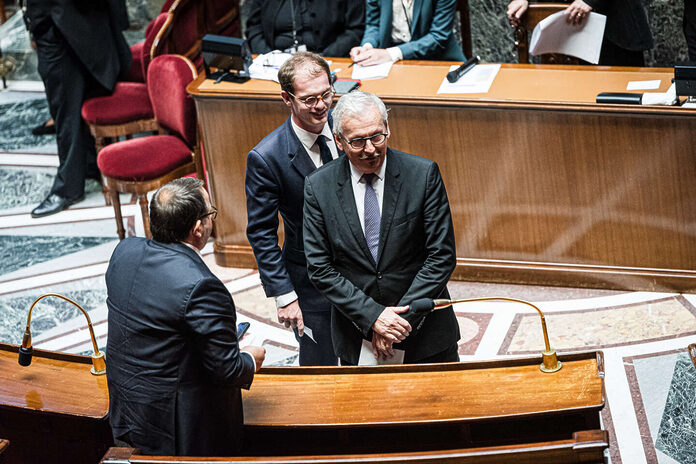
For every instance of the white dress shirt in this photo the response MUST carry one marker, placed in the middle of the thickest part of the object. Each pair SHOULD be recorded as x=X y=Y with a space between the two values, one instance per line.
x=359 y=190
x=309 y=142
x=402 y=17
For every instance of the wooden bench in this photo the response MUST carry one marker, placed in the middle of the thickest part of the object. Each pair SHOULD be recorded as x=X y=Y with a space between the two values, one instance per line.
x=583 y=447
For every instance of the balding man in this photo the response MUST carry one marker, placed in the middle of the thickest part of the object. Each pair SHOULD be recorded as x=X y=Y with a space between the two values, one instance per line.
x=174 y=363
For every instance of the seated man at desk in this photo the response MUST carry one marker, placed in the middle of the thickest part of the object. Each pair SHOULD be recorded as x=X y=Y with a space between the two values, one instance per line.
x=378 y=235
x=174 y=363
x=626 y=35
x=408 y=30
x=330 y=28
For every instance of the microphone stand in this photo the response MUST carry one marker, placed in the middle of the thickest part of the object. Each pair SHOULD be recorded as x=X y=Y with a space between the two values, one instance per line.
x=26 y=351
x=550 y=360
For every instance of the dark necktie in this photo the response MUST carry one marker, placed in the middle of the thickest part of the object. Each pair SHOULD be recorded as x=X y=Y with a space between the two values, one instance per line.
x=324 y=151
x=372 y=215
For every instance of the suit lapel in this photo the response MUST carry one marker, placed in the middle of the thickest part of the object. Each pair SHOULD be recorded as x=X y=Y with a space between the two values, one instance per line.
x=392 y=189
x=299 y=158
x=417 y=6
x=346 y=198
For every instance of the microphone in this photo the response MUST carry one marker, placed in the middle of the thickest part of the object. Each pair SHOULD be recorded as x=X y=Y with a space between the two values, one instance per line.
x=550 y=362
x=26 y=351
x=454 y=76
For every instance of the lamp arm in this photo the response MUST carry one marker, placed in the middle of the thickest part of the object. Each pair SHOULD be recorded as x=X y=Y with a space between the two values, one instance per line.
x=99 y=366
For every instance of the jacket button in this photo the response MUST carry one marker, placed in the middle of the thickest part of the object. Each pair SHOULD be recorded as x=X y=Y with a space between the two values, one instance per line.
x=379 y=275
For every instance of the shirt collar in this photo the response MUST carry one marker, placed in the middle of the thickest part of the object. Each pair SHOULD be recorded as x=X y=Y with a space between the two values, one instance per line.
x=308 y=139
x=198 y=252
x=356 y=175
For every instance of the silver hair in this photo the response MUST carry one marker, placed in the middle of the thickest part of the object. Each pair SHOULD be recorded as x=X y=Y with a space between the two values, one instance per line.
x=356 y=103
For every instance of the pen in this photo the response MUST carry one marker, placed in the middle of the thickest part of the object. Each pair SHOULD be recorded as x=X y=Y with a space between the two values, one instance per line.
x=351 y=65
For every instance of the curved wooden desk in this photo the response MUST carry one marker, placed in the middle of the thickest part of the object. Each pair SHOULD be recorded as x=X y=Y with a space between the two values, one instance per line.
x=545 y=185
x=53 y=410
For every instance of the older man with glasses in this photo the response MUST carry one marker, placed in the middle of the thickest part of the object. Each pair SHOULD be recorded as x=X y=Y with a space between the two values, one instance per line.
x=378 y=235
x=276 y=171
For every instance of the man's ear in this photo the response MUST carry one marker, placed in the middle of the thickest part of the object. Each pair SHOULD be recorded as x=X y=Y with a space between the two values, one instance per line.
x=286 y=98
x=339 y=142
x=197 y=230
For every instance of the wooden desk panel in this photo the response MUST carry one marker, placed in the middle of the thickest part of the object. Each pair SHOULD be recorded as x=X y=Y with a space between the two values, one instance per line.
x=53 y=410
x=545 y=185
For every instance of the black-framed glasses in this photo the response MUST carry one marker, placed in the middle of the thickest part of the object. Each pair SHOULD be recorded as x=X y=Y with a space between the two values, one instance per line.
x=312 y=100
x=212 y=213
x=360 y=142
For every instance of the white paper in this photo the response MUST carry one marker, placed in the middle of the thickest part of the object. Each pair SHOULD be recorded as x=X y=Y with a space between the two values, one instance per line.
x=554 y=34
x=643 y=85
x=478 y=80
x=266 y=66
x=377 y=71
x=368 y=358
x=660 y=98
x=308 y=333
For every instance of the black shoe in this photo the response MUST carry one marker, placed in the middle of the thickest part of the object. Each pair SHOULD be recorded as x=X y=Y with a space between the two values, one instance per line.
x=44 y=129
x=53 y=204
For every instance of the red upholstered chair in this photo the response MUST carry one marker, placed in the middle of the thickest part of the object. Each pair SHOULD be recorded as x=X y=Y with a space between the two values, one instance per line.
x=137 y=73
x=143 y=164
x=222 y=17
x=127 y=110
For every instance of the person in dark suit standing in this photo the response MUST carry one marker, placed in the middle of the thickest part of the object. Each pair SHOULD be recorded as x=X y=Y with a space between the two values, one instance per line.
x=378 y=235
x=408 y=30
x=81 y=52
x=276 y=170
x=626 y=34
x=328 y=28
x=174 y=364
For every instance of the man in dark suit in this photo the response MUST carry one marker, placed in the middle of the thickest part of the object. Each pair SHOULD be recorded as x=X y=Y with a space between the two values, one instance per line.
x=378 y=235
x=81 y=53
x=174 y=365
x=276 y=170
x=328 y=28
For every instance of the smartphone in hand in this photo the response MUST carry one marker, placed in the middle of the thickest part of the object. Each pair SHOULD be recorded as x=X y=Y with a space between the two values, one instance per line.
x=242 y=329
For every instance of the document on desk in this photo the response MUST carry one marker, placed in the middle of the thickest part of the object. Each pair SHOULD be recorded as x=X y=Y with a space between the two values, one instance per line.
x=554 y=34
x=366 y=73
x=368 y=358
x=266 y=66
x=478 y=80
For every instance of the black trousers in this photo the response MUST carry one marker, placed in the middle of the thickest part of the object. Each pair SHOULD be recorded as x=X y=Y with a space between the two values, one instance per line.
x=613 y=55
x=68 y=83
x=690 y=27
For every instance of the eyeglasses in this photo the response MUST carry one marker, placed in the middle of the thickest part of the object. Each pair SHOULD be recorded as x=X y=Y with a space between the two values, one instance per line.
x=312 y=100
x=360 y=142
x=212 y=213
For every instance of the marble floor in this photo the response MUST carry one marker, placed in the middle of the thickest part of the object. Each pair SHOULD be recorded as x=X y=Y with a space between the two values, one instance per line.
x=650 y=381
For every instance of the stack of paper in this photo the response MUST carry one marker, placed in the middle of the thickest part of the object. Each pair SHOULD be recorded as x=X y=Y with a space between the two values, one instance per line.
x=266 y=66
x=555 y=35
x=478 y=80
x=377 y=71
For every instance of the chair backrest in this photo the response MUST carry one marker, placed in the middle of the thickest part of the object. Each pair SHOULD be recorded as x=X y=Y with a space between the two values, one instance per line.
x=162 y=21
x=184 y=32
x=167 y=78
x=222 y=17
x=535 y=13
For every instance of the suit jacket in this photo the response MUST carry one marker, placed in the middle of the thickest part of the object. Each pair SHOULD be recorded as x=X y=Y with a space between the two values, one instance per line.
x=416 y=253
x=627 y=24
x=337 y=25
x=92 y=28
x=174 y=369
x=431 y=29
x=275 y=176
